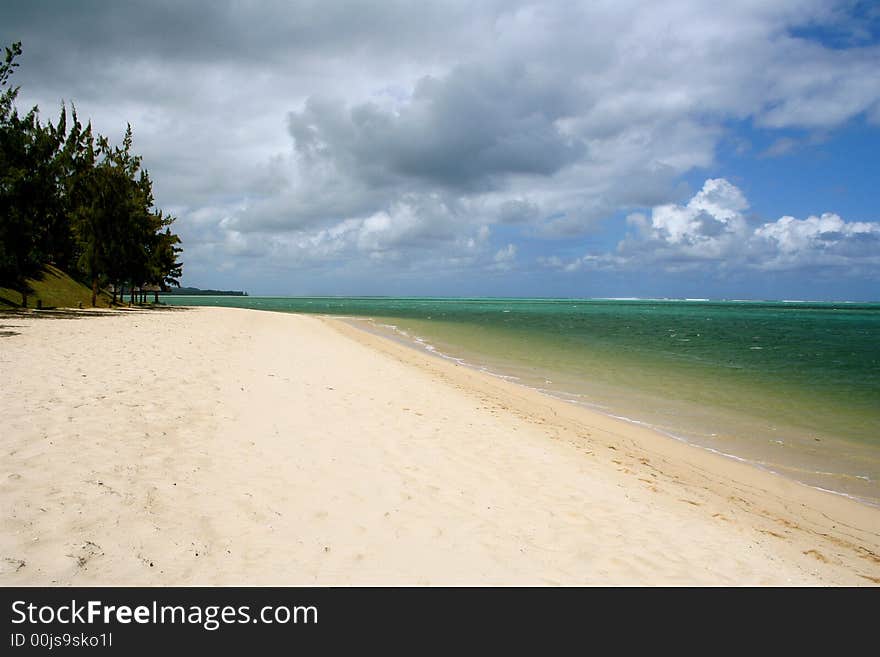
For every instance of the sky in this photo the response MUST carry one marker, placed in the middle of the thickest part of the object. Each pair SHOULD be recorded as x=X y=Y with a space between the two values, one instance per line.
x=500 y=148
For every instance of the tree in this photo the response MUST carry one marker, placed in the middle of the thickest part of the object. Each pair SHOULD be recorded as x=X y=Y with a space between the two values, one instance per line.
x=69 y=197
x=32 y=220
x=165 y=268
x=88 y=191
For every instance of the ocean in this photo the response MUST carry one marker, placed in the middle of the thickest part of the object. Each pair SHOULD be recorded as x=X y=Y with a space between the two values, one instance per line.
x=792 y=387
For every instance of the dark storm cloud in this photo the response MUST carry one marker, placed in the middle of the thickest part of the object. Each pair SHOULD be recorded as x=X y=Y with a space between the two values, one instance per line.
x=217 y=31
x=468 y=129
x=106 y=49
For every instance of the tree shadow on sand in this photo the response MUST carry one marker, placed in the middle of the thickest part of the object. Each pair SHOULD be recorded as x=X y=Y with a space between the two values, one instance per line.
x=75 y=313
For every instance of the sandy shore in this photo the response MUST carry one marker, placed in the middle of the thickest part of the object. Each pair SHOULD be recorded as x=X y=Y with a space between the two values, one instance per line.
x=223 y=446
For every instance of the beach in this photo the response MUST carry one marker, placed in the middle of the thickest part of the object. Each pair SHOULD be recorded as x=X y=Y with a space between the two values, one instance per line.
x=790 y=387
x=220 y=446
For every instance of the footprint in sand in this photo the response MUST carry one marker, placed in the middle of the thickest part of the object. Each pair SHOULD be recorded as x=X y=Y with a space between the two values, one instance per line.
x=85 y=553
x=10 y=565
x=817 y=555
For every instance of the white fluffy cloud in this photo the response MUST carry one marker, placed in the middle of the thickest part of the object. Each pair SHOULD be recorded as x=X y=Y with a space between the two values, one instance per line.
x=707 y=227
x=826 y=240
x=712 y=232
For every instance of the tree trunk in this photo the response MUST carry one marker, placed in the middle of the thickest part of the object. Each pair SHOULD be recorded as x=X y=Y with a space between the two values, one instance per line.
x=94 y=291
x=131 y=299
x=155 y=297
x=115 y=290
x=24 y=297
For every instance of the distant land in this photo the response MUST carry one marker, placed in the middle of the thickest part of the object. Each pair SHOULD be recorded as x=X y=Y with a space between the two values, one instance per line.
x=197 y=291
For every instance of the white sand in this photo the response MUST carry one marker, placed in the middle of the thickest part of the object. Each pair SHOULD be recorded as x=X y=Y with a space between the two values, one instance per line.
x=221 y=446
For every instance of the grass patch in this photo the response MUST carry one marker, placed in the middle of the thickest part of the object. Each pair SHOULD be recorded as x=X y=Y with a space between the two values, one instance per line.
x=56 y=290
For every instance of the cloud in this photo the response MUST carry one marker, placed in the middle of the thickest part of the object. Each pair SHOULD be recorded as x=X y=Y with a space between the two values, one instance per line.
x=780 y=146
x=712 y=212
x=305 y=134
x=504 y=258
x=464 y=130
x=711 y=233
x=826 y=240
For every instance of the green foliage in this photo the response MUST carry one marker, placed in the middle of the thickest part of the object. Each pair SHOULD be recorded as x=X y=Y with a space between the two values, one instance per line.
x=70 y=198
x=23 y=164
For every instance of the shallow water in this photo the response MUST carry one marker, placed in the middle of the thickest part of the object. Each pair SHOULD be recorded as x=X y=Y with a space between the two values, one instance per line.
x=791 y=387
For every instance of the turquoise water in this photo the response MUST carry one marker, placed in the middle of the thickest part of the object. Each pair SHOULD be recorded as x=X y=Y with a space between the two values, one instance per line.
x=793 y=387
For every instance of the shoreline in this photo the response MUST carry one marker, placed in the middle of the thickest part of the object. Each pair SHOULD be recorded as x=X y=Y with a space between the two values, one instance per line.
x=395 y=334
x=242 y=447
x=644 y=428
